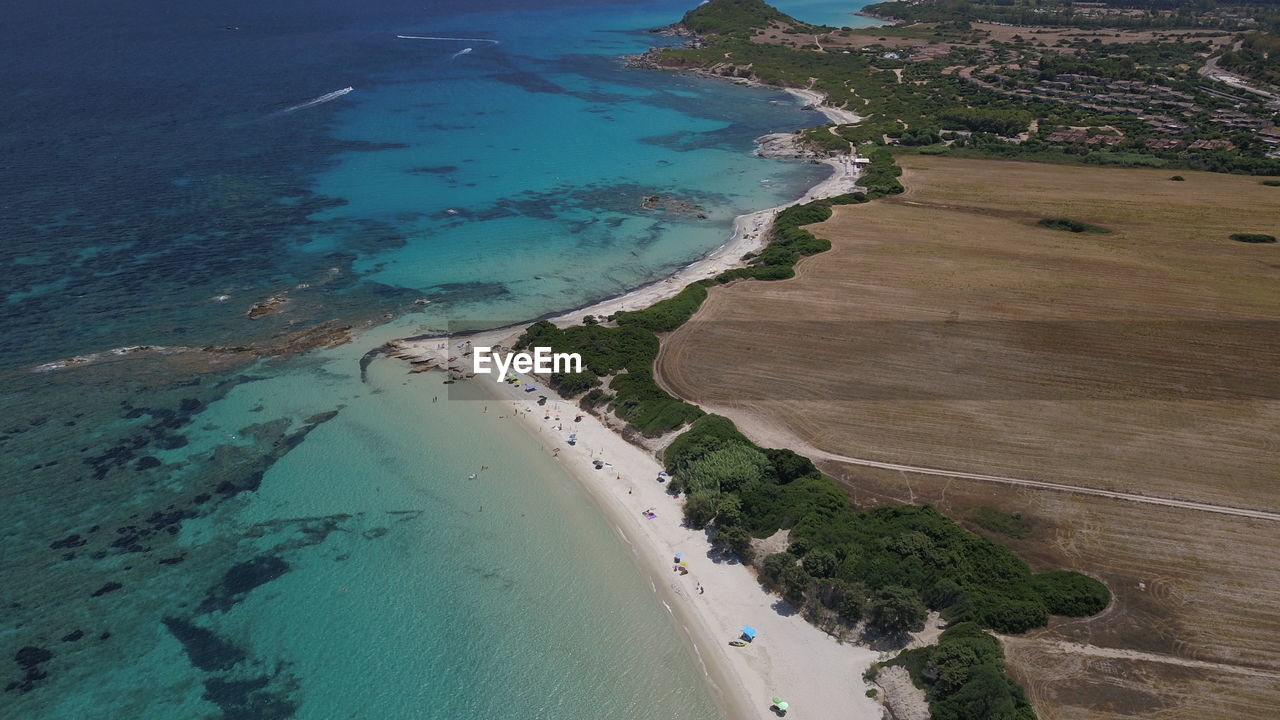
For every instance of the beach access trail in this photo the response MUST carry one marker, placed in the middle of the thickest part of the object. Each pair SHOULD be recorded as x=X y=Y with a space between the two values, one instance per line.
x=818 y=676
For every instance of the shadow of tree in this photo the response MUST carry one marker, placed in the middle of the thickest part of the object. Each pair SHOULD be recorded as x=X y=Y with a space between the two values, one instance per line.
x=885 y=640
x=783 y=608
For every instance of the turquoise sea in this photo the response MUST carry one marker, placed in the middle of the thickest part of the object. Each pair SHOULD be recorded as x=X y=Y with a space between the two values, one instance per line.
x=195 y=532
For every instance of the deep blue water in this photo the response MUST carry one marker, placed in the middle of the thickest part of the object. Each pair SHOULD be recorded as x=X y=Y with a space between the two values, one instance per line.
x=198 y=532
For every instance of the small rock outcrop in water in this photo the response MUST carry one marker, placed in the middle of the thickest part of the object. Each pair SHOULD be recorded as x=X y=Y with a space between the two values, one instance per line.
x=678 y=30
x=785 y=145
x=266 y=307
x=672 y=205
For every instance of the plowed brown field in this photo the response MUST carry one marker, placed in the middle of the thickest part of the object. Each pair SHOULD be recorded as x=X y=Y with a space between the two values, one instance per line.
x=945 y=329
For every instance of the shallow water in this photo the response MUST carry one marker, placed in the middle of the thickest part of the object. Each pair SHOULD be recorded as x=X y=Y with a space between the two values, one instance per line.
x=200 y=534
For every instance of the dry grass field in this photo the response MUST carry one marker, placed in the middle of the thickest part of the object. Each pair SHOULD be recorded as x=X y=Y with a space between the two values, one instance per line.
x=946 y=329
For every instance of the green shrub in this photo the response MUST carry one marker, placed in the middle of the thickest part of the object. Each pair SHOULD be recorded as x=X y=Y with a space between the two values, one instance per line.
x=735 y=540
x=1253 y=238
x=794 y=583
x=895 y=608
x=964 y=677
x=727 y=468
x=776 y=563
x=666 y=315
x=573 y=384
x=707 y=434
x=820 y=563
x=699 y=509
x=1071 y=594
x=1069 y=225
x=1271 y=183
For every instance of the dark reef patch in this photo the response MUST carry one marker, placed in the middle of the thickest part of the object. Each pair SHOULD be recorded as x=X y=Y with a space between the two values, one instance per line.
x=726 y=138
x=241 y=580
x=204 y=648
x=29 y=659
x=108 y=588
x=250 y=699
x=467 y=291
x=434 y=170
x=71 y=541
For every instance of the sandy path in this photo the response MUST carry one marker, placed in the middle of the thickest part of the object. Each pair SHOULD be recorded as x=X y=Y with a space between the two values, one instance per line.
x=768 y=434
x=1072 y=648
x=820 y=677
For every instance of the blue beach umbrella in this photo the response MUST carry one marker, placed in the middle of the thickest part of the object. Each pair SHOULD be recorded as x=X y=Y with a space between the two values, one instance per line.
x=748 y=632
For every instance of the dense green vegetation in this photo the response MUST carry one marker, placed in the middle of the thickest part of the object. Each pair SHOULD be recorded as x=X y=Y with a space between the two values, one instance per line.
x=731 y=17
x=998 y=121
x=963 y=676
x=1072 y=226
x=891 y=552
x=626 y=353
x=1253 y=238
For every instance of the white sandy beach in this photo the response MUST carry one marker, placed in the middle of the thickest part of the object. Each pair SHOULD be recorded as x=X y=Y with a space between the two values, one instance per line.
x=839 y=116
x=790 y=658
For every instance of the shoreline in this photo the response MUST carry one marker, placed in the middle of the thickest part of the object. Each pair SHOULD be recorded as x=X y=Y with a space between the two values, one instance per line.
x=790 y=658
x=750 y=232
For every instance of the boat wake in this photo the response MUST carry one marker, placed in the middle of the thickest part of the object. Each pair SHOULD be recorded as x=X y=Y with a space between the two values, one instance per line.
x=463 y=51
x=318 y=100
x=455 y=39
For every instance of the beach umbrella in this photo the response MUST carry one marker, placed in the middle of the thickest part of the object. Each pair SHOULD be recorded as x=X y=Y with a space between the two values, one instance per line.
x=783 y=706
x=777 y=700
x=679 y=555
